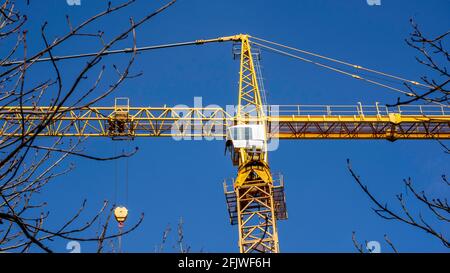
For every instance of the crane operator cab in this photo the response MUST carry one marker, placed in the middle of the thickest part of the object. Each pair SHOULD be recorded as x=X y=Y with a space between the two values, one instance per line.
x=251 y=137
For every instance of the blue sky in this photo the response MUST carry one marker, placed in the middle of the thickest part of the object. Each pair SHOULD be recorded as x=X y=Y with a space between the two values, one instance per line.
x=169 y=179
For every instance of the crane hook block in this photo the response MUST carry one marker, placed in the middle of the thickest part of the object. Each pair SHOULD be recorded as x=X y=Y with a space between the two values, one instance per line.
x=120 y=213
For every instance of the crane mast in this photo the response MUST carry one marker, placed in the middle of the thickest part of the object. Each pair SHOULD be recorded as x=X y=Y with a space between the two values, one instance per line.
x=251 y=203
x=255 y=197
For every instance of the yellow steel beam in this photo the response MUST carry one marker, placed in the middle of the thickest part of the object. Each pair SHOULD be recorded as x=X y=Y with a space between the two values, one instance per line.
x=213 y=122
x=253 y=187
x=254 y=203
x=360 y=127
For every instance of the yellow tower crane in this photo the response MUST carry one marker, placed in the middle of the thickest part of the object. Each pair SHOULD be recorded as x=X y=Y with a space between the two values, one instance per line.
x=256 y=199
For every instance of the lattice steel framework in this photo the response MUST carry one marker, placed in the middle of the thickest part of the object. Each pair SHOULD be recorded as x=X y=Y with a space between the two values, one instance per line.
x=255 y=202
x=412 y=122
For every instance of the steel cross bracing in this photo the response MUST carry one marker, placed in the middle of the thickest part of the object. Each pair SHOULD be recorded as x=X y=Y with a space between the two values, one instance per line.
x=255 y=198
x=287 y=122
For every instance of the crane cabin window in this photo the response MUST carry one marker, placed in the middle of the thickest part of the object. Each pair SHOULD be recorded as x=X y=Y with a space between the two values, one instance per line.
x=247 y=136
x=241 y=133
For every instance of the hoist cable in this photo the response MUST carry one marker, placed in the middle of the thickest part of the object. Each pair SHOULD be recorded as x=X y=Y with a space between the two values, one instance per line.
x=200 y=42
x=344 y=63
x=106 y=52
x=116 y=178
x=355 y=76
x=126 y=175
x=119 y=239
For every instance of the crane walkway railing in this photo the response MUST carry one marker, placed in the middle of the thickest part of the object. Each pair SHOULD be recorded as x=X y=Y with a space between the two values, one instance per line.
x=283 y=121
x=357 y=110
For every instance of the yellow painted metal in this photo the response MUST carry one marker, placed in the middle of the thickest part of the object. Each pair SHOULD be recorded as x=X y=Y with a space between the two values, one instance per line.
x=235 y=38
x=256 y=208
x=249 y=97
x=121 y=214
x=257 y=203
x=256 y=218
x=207 y=122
